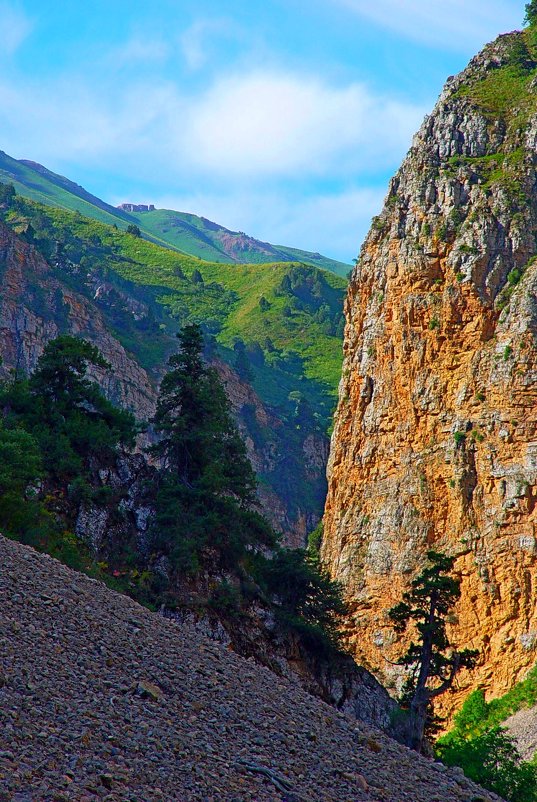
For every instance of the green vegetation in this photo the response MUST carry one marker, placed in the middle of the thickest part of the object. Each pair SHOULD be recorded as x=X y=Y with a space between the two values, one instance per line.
x=182 y=232
x=493 y=761
x=207 y=485
x=59 y=435
x=65 y=413
x=292 y=339
x=513 y=280
x=459 y=438
x=495 y=712
x=54 y=427
x=483 y=749
x=306 y=600
x=530 y=17
x=432 y=663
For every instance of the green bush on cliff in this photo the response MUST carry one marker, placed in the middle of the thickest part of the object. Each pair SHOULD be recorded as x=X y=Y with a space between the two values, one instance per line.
x=305 y=598
x=492 y=760
x=482 y=748
x=530 y=17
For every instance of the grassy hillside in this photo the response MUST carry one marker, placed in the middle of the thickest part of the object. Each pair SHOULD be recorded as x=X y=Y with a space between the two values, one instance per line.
x=186 y=233
x=201 y=237
x=279 y=324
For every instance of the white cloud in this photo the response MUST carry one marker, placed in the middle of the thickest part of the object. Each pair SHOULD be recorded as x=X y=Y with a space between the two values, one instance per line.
x=250 y=128
x=15 y=27
x=269 y=123
x=460 y=25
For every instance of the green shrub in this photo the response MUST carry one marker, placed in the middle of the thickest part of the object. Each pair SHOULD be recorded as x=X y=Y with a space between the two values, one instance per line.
x=492 y=760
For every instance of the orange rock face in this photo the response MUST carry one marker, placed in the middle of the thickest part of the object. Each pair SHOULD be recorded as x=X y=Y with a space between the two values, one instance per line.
x=435 y=441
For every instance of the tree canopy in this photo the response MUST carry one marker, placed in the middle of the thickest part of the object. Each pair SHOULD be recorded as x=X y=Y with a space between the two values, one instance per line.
x=431 y=661
x=530 y=17
x=208 y=487
x=65 y=411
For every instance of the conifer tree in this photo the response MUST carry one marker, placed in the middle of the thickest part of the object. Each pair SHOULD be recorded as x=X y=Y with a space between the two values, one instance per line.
x=208 y=486
x=66 y=412
x=432 y=663
x=531 y=13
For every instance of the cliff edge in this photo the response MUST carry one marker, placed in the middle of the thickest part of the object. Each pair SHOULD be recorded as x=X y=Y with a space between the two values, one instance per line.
x=435 y=440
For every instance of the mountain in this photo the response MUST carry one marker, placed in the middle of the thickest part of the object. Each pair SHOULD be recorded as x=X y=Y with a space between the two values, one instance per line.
x=275 y=333
x=103 y=699
x=435 y=435
x=186 y=233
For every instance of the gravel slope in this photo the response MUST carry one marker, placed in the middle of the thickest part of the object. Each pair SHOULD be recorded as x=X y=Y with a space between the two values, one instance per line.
x=101 y=699
x=523 y=727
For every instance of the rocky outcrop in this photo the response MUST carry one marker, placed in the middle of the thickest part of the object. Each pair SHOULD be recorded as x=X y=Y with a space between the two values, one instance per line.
x=35 y=307
x=435 y=439
x=102 y=699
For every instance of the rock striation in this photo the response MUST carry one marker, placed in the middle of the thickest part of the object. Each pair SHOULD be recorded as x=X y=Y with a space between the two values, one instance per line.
x=435 y=439
x=101 y=699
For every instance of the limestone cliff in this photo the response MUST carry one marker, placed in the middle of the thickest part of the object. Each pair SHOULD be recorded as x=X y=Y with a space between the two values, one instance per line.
x=435 y=440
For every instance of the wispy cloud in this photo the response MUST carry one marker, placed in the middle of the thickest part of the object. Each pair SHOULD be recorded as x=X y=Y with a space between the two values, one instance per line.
x=15 y=27
x=458 y=25
x=283 y=124
x=242 y=128
x=139 y=50
x=195 y=41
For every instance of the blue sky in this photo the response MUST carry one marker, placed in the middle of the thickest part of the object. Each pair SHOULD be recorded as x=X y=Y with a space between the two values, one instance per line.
x=282 y=118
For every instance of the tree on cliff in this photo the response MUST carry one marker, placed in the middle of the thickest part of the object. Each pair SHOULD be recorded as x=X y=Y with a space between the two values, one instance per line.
x=207 y=489
x=66 y=412
x=432 y=663
x=531 y=13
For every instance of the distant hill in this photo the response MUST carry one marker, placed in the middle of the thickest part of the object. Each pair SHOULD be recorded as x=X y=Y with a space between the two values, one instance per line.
x=275 y=330
x=183 y=232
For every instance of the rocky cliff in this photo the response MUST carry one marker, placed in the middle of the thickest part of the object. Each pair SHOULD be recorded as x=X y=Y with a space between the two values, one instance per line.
x=435 y=440
x=41 y=299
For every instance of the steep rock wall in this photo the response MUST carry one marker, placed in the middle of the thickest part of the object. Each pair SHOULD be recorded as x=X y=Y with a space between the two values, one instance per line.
x=435 y=440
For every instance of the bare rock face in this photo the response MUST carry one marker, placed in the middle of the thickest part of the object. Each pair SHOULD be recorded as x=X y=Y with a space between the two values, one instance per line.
x=435 y=441
x=35 y=307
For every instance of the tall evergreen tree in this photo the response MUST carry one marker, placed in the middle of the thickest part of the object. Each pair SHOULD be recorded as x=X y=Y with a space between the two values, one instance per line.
x=208 y=486
x=431 y=661
x=66 y=412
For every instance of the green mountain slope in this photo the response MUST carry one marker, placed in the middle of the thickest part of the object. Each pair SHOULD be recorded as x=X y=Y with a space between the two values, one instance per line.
x=184 y=232
x=201 y=237
x=278 y=327
x=280 y=324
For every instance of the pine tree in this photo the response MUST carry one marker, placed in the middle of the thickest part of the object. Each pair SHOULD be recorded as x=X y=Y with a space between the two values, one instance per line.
x=66 y=412
x=432 y=663
x=208 y=486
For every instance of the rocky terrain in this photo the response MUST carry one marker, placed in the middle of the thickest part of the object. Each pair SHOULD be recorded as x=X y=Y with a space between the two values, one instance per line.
x=435 y=440
x=102 y=699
